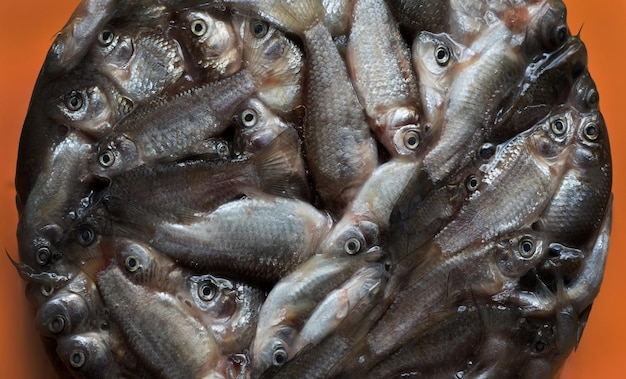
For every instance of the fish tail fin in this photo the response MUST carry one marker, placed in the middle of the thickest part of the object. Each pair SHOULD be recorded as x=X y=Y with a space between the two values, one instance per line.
x=280 y=166
x=297 y=15
x=269 y=70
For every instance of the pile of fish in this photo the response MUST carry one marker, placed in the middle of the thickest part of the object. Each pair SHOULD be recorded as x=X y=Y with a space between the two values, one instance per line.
x=312 y=189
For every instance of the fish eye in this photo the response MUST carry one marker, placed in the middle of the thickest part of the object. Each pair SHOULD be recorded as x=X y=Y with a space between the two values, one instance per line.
x=558 y=126
x=442 y=55
x=56 y=325
x=471 y=183
x=199 y=28
x=43 y=255
x=106 y=159
x=248 y=118
x=85 y=235
x=132 y=263
x=487 y=151
x=105 y=37
x=74 y=101
x=526 y=247
x=222 y=149
x=411 y=140
x=207 y=291
x=77 y=359
x=279 y=357
x=259 y=28
x=46 y=290
x=591 y=132
x=560 y=35
x=539 y=346
x=352 y=245
x=592 y=98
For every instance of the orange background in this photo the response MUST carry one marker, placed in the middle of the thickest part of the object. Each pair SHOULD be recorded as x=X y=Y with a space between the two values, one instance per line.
x=26 y=31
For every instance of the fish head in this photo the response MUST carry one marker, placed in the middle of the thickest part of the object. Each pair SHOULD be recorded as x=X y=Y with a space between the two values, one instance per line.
x=592 y=143
x=142 y=265
x=229 y=308
x=561 y=261
x=554 y=134
x=114 y=48
x=38 y=250
x=115 y=154
x=140 y=61
x=211 y=40
x=216 y=297
x=547 y=29
x=520 y=252
x=272 y=351
x=257 y=126
x=87 y=353
x=584 y=94
x=351 y=235
x=436 y=55
x=62 y=314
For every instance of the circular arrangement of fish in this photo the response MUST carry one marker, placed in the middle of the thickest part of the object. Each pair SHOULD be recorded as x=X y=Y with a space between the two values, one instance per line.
x=314 y=188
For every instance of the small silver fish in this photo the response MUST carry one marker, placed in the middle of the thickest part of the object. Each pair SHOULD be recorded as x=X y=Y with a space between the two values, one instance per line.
x=181 y=188
x=77 y=36
x=384 y=80
x=262 y=245
x=164 y=336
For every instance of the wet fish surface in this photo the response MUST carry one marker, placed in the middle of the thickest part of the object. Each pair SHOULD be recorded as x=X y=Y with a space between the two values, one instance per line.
x=249 y=189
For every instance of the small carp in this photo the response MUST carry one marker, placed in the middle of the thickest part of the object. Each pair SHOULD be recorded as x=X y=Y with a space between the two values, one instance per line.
x=384 y=80
x=169 y=129
x=259 y=245
x=164 y=336
x=334 y=116
x=181 y=188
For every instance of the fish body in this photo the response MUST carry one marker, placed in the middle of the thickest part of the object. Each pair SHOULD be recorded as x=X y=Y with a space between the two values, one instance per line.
x=474 y=89
x=421 y=15
x=273 y=236
x=576 y=210
x=535 y=157
x=79 y=33
x=366 y=221
x=334 y=117
x=51 y=206
x=292 y=301
x=190 y=117
x=383 y=77
x=278 y=169
x=167 y=340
